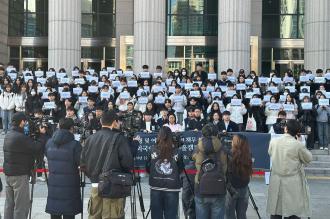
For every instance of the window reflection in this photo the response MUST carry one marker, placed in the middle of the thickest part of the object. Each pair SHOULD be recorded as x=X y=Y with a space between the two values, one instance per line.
x=289 y=6
x=288 y=28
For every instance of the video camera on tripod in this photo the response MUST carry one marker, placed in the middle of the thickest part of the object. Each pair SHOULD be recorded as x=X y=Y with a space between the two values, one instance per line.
x=35 y=123
x=131 y=123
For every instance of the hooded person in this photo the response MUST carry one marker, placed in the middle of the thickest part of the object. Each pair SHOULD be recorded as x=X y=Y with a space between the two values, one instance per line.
x=63 y=155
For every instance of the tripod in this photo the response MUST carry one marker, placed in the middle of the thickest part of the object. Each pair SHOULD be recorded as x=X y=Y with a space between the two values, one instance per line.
x=254 y=203
x=137 y=188
x=82 y=186
x=33 y=182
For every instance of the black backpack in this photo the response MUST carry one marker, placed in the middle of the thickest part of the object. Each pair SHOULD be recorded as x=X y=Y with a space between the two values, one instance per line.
x=212 y=180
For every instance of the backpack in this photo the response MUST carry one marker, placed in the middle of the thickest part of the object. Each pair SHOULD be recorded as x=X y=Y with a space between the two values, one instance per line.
x=212 y=180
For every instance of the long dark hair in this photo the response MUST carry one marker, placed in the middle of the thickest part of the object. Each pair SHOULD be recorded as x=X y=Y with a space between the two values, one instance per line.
x=165 y=143
x=241 y=157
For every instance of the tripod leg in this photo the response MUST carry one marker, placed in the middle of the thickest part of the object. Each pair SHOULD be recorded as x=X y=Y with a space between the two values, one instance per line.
x=254 y=203
x=139 y=190
x=31 y=201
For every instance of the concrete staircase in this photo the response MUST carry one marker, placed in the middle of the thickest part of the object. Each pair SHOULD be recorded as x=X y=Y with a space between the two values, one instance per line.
x=320 y=166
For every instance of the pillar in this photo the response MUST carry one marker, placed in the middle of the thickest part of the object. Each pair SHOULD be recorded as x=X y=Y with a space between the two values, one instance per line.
x=317 y=34
x=64 y=34
x=234 y=35
x=149 y=33
x=4 y=58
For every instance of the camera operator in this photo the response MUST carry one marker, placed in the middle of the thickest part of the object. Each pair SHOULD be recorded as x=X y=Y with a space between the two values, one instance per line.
x=20 y=152
x=278 y=127
x=288 y=193
x=63 y=154
x=164 y=165
x=239 y=173
x=93 y=160
x=211 y=164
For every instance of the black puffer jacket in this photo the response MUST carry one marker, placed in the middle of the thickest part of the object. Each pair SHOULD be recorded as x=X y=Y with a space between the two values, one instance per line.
x=63 y=154
x=96 y=149
x=20 y=151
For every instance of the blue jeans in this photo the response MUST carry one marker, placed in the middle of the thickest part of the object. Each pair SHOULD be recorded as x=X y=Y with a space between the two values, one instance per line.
x=236 y=206
x=164 y=205
x=210 y=208
x=6 y=116
x=323 y=132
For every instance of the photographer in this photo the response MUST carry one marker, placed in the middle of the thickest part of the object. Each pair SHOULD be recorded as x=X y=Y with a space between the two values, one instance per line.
x=239 y=173
x=164 y=166
x=93 y=159
x=211 y=164
x=20 y=151
x=63 y=154
x=278 y=127
x=288 y=193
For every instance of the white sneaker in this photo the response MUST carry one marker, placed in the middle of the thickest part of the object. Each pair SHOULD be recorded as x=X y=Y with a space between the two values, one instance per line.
x=321 y=148
x=325 y=148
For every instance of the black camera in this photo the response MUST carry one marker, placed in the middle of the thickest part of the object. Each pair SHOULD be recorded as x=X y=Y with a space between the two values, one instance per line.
x=226 y=140
x=37 y=122
x=177 y=141
x=131 y=123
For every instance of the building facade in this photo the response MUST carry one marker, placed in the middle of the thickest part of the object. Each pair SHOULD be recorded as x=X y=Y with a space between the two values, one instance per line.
x=251 y=34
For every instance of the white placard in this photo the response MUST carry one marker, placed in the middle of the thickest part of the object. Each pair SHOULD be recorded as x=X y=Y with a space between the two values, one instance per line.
x=116 y=84
x=65 y=95
x=324 y=102
x=205 y=93
x=160 y=100
x=105 y=73
x=42 y=90
x=230 y=93
x=292 y=89
x=211 y=76
x=49 y=105
x=90 y=79
x=319 y=80
x=41 y=80
x=113 y=76
x=263 y=80
x=171 y=89
x=302 y=95
x=145 y=75
x=274 y=106
x=77 y=90
x=91 y=71
x=177 y=98
x=194 y=93
x=255 y=101
x=210 y=88
x=128 y=74
x=44 y=95
x=288 y=79
x=93 y=89
x=277 y=80
x=256 y=90
x=248 y=81
x=143 y=100
x=157 y=89
x=198 y=82
x=110 y=69
x=60 y=75
x=223 y=88
x=232 y=79
x=266 y=98
x=249 y=95
x=327 y=76
x=79 y=81
x=39 y=74
x=75 y=73
x=120 y=73
x=188 y=86
x=274 y=90
x=13 y=76
x=64 y=80
x=327 y=95
x=158 y=74
x=282 y=98
x=288 y=107
x=27 y=78
x=169 y=82
x=60 y=89
x=101 y=84
x=236 y=102
x=216 y=94
x=50 y=74
x=132 y=84
x=125 y=95
x=146 y=88
x=240 y=86
x=105 y=95
x=307 y=106
x=304 y=78
x=82 y=99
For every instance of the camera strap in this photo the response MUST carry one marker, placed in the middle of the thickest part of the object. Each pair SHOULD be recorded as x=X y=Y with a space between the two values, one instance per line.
x=111 y=149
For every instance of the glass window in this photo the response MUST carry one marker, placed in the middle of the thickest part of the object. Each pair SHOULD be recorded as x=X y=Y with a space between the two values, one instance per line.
x=178 y=25
x=270 y=26
x=289 y=6
x=288 y=26
x=14 y=52
x=271 y=7
x=110 y=53
x=86 y=6
x=175 y=51
x=302 y=7
x=178 y=6
x=196 y=25
x=34 y=52
x=301 y=27
x=210 y=22
x=16 y=6
x=92 y=52
x=16 y=25
x=196 y=6
x=106 y=25
x=106 y=6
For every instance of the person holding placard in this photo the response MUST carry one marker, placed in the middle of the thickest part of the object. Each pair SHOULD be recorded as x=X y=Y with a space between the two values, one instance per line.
x=291 y=101
x=257 y=112
x=237 y=112
x=271 y=112
x=53 y=110
x=307 y=114
x=20 y=98
x=323 y=113
x=179 y=102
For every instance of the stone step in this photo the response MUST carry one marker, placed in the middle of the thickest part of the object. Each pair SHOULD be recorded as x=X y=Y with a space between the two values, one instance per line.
x=317 y=171
x=319 y=164
x=323 y=158
x=320 y=152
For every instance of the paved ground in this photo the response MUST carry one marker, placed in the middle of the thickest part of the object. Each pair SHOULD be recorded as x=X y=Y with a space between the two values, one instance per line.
x=320 y=194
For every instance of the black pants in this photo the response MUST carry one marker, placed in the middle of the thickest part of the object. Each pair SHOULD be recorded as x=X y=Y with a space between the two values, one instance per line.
x=62 y=216
x=280 y=217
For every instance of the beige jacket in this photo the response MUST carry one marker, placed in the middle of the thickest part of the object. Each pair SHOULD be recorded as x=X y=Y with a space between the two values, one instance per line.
x=288 y=192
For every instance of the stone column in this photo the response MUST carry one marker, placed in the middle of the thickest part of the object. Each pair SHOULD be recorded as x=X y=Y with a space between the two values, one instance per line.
x=149 y=33
x=4 y=32
x=234 y=35
x=64 y=34
x=317 y=34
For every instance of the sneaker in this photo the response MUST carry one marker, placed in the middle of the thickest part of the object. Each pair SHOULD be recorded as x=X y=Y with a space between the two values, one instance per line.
x=321 y=148
x=325 y=148
x=41 y=179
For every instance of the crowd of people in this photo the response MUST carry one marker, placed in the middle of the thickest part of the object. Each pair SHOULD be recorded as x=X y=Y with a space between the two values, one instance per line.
x=177 y=99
